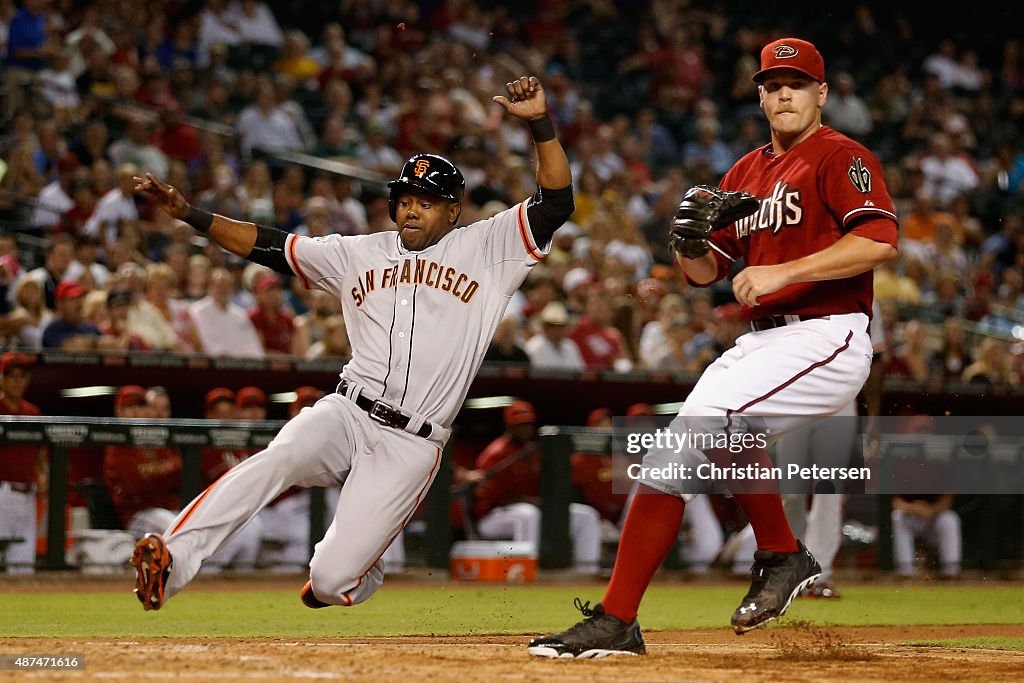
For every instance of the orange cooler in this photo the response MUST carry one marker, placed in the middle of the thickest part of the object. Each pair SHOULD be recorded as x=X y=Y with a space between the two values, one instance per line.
x=506 y=561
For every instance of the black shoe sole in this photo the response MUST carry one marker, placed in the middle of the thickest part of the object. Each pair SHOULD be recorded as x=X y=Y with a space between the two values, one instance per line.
x=806 y=583
x=596 y=653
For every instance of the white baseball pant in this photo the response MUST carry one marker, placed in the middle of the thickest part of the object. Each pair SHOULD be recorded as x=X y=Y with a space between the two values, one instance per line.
x=942 y=530
x=521 y=522
x=18 y=520
x=384 y=473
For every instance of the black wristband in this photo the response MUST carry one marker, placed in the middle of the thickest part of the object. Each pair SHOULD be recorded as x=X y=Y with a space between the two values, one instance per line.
x=542 y=129
x=199 y=219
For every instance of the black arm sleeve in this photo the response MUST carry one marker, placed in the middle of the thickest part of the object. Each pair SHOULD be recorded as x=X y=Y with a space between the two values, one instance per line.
x=269 y=249
x=548 y=210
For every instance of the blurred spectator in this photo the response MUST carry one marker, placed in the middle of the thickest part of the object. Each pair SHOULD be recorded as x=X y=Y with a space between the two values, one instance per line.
x=23 y=470
x=158 y=401
x=216 y=27
x=593 y=475
x=601 y=345
x=947 y=173
x=69 y=331
x=931 y=518
x=55 y=198
x=255 y=23
x=135 y=148
x=251 y=404
x=116 y=334
x=284 y=89
x=28 y=48
x=551 y=348
x=335 y=342
x=274 y=325
x=262 y=125
x=115 y=206
x=86 y=265
x=949 y=362
x=654 y=336
x=60 y=252
x=174 y=312
x=910 y=360
x=845 y=110
x=309 y=327
x=143 y=482
x=295 y=60
x=708 y=148
x=505 y=346
x=31 y=316
x=993 y=366
x=224 y=328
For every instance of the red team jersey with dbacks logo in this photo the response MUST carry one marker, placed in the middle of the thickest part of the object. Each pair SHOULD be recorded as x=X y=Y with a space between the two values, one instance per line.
x=825 y=187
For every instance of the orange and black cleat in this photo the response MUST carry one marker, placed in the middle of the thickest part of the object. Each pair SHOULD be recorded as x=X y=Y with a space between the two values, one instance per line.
x=152 y=562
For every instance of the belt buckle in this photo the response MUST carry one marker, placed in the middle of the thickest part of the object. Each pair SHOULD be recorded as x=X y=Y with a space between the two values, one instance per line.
x=383 y=413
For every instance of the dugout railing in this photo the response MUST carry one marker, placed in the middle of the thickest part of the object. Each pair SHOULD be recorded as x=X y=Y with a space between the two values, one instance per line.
x=993 y=530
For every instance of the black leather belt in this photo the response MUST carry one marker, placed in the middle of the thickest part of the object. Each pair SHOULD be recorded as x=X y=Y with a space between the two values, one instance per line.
x=385 y=413
x=18 y=486
x=773 y=321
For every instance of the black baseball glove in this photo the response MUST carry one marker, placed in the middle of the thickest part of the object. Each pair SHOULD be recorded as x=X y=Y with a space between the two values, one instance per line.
x=703 y=210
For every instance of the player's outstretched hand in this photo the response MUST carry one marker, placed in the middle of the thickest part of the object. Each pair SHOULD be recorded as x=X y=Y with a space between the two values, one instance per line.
x=173 y=202
x=525 y=99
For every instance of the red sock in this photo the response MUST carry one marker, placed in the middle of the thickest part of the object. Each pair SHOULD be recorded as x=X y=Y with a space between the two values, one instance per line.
x=771 y=528
x=651 y=528
x=760 y=500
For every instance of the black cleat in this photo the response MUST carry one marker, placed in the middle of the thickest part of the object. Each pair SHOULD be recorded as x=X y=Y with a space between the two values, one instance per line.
x=598 y=635
x=777 y=579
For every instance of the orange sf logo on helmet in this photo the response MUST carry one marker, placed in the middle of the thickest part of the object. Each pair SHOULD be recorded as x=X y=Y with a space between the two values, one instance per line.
x=784 y=51
x=422 y=166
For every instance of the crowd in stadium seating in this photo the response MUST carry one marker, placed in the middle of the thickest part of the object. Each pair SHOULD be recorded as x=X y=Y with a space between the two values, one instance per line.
x=647 y=102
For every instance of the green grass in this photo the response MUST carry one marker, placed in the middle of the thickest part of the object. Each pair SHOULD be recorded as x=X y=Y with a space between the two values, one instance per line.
x=469 y=609
x=1016 y=644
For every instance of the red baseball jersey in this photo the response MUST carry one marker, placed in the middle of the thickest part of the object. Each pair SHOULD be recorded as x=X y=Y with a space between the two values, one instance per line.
x=812 y=195
x=140 y=478
x=215 y=462
x=510 y=485
x=18 y=461
x=594 y=476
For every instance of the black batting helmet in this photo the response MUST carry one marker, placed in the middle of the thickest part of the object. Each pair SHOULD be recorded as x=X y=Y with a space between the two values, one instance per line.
x=427 y=174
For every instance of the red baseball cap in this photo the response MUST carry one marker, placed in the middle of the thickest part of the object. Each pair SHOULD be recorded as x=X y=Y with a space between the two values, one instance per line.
x=519 y=413
x=791 y=53
x=307 y=396
x=218 y=394
x=70 y=290
x=639 y=409
x=12 y=360
x=267 y=280
x=130 y=395
x=598 y=415
x=250 y=396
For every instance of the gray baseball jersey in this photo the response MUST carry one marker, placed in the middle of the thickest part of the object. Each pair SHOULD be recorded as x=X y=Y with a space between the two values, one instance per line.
x=419 y=323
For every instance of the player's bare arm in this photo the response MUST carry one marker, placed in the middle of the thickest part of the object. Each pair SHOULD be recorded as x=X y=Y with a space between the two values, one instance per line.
x=702 y=270
x=850 y=255
x=250 y=241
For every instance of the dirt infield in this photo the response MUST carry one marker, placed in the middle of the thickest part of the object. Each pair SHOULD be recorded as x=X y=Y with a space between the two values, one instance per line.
x=794 y=652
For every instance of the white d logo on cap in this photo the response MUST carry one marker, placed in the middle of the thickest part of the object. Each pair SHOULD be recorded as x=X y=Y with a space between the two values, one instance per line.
x=785 y=51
